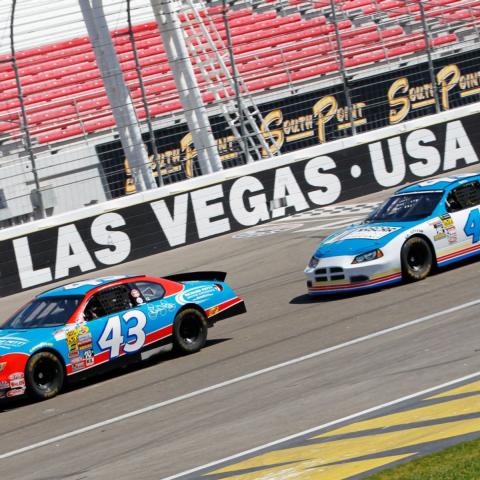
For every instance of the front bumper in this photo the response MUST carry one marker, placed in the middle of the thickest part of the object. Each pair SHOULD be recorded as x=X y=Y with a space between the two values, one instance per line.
x=338 y=274
x=12 y=377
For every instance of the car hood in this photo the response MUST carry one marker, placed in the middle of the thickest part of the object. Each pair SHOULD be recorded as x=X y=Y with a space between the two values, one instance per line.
x=361 y=238
x=22 y=340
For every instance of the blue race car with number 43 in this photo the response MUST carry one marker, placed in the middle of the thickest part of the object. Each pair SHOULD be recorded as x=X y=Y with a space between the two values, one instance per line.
x=84 y=327
x=427 y=224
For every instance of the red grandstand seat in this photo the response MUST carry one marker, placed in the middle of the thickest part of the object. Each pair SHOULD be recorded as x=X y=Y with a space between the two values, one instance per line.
x=383 y=6
x=353 y=4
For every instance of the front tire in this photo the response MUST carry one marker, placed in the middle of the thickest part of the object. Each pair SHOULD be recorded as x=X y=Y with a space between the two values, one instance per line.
x=417 y=259
x=189 y=331
x=44 y=375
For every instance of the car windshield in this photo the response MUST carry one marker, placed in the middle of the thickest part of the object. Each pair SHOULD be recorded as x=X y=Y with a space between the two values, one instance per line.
x=406 y=207
x=43 y=312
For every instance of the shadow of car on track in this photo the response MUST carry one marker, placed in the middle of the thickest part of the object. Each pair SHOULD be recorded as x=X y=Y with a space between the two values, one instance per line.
x=335 y=297
x=156 y=360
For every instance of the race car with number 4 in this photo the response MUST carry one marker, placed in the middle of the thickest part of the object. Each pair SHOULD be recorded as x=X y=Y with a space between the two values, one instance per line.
x=425 y=225
x=84 y=327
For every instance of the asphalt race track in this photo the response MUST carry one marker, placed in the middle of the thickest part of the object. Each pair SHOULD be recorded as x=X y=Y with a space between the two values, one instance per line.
x=287 y=366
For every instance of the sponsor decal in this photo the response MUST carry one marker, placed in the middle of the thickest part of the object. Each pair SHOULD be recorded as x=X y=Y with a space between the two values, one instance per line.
x=59 y=335
x=88 y=345
x=4 y=385
x=72 y=340
x=16 y=376
x=445 y=228
x=196 y=294
x=452 y=234
x=369 y=233
x=89 y=358
x=446 y=219
x=161 y=308
x=10 y=341
x=79 y=339
x=440 y=232
x=83 y=330
x=78 y=363
x=15 y=392
x=20 y=383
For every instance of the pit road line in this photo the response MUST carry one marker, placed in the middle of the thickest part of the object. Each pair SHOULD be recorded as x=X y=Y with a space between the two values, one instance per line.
x=235 y=380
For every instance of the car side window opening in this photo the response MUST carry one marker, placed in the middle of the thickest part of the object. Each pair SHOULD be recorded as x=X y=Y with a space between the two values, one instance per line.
x=465 y=196
x=108 y=302
x=150 y=291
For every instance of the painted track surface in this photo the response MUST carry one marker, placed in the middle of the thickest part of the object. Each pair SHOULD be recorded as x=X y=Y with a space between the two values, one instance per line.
x=282 y=323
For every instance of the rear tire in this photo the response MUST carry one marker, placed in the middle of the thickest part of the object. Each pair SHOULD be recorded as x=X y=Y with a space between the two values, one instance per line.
x=416 y=258
x=189 y=331
x=44 y=375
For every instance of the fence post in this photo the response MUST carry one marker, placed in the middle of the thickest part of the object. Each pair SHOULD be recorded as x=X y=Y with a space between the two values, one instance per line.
x=346 y=87
x=431 y=68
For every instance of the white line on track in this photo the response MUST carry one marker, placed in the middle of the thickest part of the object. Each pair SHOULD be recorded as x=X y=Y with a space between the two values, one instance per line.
x=325 y=425
x=232 y=381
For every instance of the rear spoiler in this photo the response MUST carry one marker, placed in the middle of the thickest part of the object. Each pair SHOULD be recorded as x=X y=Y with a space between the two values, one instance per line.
x=191 y=276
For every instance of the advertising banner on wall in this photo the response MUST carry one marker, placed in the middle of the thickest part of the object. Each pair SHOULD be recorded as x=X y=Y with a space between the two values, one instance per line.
x=148 y=228
x=307 y=119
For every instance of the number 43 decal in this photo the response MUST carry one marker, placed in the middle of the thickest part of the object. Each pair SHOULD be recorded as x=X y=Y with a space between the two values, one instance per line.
x=112 y=338
x=472 y=227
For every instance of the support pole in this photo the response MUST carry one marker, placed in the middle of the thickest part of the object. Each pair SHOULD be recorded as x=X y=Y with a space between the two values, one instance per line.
x=118 y=94
x=235 y=75
x=24 y=120
x=148 y=118
x=187 y=86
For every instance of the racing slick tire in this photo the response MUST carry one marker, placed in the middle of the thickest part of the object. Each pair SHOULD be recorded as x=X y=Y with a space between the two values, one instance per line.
x=44 y=375
x=417 y=259
x=189 y=331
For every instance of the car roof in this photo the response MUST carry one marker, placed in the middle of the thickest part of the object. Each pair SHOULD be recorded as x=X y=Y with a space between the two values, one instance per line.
x=440 y=184
x=82 y=287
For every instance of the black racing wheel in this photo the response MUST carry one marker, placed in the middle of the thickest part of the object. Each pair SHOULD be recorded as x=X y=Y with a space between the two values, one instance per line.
x=189 y=331
x=44 y=375
x=416 y=258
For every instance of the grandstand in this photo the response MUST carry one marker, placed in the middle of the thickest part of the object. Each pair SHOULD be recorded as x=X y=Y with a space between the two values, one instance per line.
x=281 y=48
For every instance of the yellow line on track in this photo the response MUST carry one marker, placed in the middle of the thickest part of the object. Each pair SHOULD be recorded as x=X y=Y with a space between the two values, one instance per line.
x=368 y=444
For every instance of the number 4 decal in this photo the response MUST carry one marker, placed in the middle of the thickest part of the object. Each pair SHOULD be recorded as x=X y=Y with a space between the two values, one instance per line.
x=112 y=338
x=472 y=227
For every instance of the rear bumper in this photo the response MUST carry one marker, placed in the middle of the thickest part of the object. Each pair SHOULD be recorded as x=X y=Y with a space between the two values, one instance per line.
x=228 y=309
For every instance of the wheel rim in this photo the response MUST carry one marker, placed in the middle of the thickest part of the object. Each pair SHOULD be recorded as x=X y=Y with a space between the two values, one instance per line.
x=190 y=329
x=417 y=255
x=45 y=374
